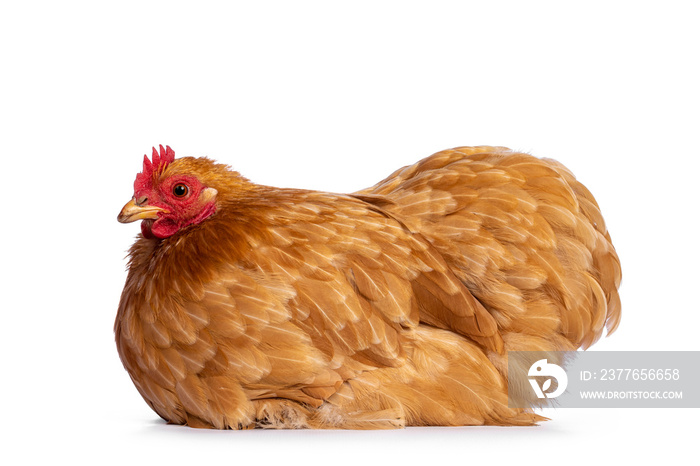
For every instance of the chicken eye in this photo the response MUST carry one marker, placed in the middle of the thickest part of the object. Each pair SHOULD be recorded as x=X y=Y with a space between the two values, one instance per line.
x=180 y=190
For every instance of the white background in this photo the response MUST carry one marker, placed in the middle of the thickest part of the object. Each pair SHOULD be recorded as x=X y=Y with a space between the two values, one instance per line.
x=330 y=96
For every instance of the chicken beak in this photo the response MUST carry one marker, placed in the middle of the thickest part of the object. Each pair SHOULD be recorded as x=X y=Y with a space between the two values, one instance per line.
x=132 y=212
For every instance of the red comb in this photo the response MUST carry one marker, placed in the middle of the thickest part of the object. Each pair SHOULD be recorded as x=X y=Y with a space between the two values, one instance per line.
x=151 y=168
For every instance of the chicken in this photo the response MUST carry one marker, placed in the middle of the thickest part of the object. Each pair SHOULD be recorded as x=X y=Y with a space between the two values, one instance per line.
x=251 y=306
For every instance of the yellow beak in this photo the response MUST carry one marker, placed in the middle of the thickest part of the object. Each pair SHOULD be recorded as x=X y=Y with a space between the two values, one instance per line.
x=132 y=212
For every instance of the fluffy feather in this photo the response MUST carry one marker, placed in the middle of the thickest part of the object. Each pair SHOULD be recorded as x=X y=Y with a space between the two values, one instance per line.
x=389 y=307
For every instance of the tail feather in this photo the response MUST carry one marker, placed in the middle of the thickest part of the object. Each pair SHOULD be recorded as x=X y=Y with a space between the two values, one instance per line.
x=522 y=234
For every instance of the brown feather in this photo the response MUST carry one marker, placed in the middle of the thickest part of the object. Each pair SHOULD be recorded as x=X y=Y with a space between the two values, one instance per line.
x=389 y=307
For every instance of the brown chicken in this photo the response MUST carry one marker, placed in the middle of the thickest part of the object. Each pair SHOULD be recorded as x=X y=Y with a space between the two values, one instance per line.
x=251 y=306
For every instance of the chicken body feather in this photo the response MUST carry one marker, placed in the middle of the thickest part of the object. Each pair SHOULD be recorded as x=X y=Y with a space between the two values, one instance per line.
x=389 y=307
